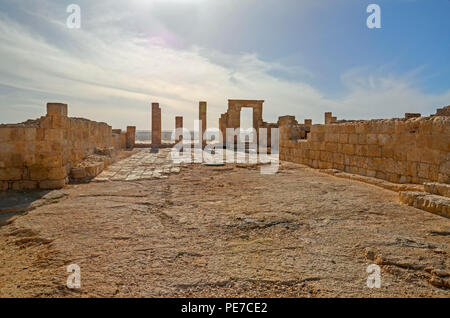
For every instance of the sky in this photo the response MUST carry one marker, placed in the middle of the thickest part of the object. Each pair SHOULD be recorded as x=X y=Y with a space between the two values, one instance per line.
x=303 y=57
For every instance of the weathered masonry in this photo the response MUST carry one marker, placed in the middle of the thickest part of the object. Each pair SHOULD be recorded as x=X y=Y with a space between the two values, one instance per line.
x=232 y=118
x=178 y=128
x=202 y=120
x=156 y=125
x=41 y=153
x=413 y=149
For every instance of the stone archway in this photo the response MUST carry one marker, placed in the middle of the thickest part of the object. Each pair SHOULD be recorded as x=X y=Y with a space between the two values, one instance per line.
x=232 y=118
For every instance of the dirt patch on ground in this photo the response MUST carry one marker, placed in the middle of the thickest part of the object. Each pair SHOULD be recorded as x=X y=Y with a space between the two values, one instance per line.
x=226 y=231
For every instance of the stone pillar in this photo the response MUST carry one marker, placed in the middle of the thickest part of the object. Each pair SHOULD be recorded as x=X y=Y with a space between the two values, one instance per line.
x=202 y=117
x=56 y=116
x=257 y=120
x=328 y=117
x=156 y=125
x=178 y=128
x=57 y=109
x=123 y=140
x=223 y=127
x=308 y=122
x=131 y=136
x=257 y=116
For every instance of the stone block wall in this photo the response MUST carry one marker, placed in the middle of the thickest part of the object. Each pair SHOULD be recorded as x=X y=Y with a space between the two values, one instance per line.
x=291 y=129
x=444 y=111
x=119 y=139
x=81 y=137
x=40 y=153
x=414 y=150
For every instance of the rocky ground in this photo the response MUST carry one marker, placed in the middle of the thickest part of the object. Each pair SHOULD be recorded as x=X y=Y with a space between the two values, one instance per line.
x=225 y=231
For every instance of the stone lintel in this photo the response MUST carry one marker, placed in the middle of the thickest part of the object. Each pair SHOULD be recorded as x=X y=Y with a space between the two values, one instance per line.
x=245 y=101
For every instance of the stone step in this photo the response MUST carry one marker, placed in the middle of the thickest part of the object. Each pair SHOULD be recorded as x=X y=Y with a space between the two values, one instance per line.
x=438 y=188
x=427 y=202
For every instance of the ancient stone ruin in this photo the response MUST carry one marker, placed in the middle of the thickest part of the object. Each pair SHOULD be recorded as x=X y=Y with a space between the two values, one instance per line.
x=413 y=149
x=49 y=152
x=232 y=118
x=43 y=153
x=156 y=124
x=192 y=227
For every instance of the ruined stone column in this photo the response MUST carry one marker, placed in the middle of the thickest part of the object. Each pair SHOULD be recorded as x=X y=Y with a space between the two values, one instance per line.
x=202 y=117
x=156 y=125
x=57 y=109
x=131 y=136
x=257 y=115
x=328 y=117
x=56 y=115
x=223 y=127
x=257 y=120
x=178 y=128
x=308 y=122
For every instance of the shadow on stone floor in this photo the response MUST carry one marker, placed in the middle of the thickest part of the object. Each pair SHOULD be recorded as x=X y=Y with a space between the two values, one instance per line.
x=14 y=203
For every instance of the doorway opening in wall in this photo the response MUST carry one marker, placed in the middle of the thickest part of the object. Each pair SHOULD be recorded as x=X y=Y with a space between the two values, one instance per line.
x=246 y=125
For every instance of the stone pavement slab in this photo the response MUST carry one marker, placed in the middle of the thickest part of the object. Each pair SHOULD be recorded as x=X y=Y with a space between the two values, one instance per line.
x=144 y=165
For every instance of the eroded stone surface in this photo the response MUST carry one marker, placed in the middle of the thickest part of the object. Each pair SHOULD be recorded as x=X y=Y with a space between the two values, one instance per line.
x=438 y=188
x=227 y=232
x=427 y=202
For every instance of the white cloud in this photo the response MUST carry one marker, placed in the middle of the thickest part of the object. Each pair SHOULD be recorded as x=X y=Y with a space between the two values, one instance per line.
x=375 y=95
x=113 y=76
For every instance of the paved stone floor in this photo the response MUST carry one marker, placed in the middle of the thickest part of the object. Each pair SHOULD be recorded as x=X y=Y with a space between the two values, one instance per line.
x=146 y=165
x=143 y=165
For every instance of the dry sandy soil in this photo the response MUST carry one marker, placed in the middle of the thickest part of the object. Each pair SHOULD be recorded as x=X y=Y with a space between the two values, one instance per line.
x=226 y=231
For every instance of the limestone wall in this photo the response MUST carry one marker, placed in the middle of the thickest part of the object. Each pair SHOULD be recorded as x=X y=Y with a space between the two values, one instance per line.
x=40 y=153
x=414 y=150
x=119 y=139
x=444 y=111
